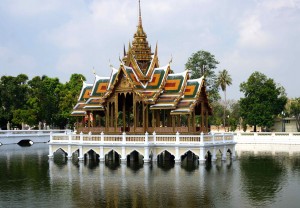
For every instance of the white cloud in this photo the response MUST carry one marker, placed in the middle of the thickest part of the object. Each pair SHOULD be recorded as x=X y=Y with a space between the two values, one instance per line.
x=30 y=8
x=79 y=34
x=14 y=62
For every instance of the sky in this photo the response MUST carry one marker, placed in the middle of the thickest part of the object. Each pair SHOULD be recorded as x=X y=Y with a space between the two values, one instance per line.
x=58 y=38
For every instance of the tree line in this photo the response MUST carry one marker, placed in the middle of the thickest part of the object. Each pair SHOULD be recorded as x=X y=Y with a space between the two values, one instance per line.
x=41 y=99
x=47 y=100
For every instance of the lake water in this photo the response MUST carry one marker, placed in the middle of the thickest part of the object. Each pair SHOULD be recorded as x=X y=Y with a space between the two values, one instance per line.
x=29 y=179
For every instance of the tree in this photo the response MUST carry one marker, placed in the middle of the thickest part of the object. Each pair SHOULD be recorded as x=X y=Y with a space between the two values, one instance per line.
x=203 y=63
x=224 y=80
x=262 y=102
x=13 y=96
x=68 y=99
x=44 y=98
x=295 y=111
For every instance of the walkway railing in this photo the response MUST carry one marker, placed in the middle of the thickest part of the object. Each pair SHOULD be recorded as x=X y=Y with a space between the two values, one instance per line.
x=201 y=139
x=31 y=132
x=268 y=138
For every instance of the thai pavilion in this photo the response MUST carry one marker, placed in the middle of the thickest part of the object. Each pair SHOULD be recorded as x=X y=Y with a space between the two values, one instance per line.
x=142 y=96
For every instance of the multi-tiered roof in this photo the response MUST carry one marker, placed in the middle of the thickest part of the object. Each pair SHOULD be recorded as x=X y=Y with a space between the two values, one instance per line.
x=155 y=85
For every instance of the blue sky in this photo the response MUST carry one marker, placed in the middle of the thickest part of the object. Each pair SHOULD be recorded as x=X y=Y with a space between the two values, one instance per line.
x=57 y=38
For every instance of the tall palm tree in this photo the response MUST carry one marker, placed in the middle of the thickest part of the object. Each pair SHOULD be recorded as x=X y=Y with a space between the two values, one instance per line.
x=224 y=80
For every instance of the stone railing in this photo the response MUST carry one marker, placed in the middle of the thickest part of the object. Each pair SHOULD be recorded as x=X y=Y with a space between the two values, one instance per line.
x=177 y=139
x=30 y=132
x=268 y=138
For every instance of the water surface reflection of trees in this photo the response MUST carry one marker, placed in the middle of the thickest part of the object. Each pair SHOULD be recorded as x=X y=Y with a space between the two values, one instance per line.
x=262 y=177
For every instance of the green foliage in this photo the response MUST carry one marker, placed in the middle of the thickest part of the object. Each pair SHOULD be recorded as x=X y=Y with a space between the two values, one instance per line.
x=203 y=63
x=24 y=116
x=224 y=80
x=263 y=100
x=13 y=96
x=39 y=99
x=295 y=111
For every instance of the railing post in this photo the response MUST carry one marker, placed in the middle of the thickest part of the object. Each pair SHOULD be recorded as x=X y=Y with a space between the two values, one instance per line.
x=81 y=137
x=201 y=138
x=223 y=137
x=50 y=152
x=124 y=138
x=154 y=137
x=146 y=138
x=51 y=137
x=102 y=137
x=213 y=137
x=177 y=138
x=70 y=137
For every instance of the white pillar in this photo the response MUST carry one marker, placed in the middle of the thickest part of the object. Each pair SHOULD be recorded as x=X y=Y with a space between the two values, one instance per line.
x=101 y=155
x=123 y=156
x=124 y=138
x=201 y=139
x=233 y=152
x=147 y=139
x=214 y=155
x=50 y=152
x=154 y=137
x=69 y=151
x=177 y=155
x=81 y=137
x=224 y=154
x=202 y=155
x=80 y=157
x=146 y=155
x=51 y=137
x=70 y=137
x=177 y=138
x=102 y=137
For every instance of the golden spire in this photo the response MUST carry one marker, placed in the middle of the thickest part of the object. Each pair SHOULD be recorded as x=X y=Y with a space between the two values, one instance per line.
x=140 y=14
x=140 y=47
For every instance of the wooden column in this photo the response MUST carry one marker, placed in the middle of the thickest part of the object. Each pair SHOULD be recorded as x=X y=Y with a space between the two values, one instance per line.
x=173 y=122
x=157 y=118
x=206 y=121
x=138 y=114
x=144 y=123
x=194 y=121
x=153 y=120
x=111 y=114
x=124 y=112
x=189 y=122
x=147 y=117
x=134 y=112
x=107 y=117
x=116 y=111
x=99 y=118
x=202 y=116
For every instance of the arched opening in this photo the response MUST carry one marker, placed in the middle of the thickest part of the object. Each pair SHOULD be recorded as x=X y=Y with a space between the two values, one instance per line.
x=228 y=154
x=208 y=160
x=25 y=143
x=112 y=159
x=91 y=159
x=165 y=160
x=189 y=161
x=208 y=157
x=60 y=157
x=135 y=160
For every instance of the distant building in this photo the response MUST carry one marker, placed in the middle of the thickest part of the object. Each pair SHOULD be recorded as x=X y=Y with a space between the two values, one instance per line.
x=284 y=125
x=142 y=96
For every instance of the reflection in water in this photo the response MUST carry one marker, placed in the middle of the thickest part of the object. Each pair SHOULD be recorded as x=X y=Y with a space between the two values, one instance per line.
x=29 y=179
x=263 y=177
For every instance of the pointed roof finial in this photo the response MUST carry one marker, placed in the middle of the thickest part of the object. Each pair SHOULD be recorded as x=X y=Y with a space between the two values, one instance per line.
x=140 y=14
